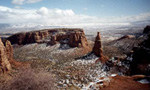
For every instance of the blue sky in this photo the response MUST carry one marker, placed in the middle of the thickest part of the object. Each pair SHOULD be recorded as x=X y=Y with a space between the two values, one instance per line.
x=100 y=8
x=89 y=11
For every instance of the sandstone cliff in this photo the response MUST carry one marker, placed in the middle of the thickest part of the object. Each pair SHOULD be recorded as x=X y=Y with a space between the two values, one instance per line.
x=72 y=37
x=4 y=61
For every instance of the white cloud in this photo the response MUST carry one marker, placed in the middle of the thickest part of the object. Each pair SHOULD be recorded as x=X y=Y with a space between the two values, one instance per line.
x=32 y=1
x=43 y=11
x=59 y=17
x=20 y=2
x=85 y=9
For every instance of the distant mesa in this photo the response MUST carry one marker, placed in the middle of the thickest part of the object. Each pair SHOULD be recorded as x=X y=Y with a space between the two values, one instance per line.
x=126 y=37
x=72 y=37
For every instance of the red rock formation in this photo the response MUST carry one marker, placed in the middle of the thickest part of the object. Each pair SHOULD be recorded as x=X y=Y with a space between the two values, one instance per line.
x=9 y=50
x=74 y=37
x=28 y=37
x=4 y=62
x=97 y=49
x=127 y=37
x=53 y=40
x=124 y=83
x=77 y=39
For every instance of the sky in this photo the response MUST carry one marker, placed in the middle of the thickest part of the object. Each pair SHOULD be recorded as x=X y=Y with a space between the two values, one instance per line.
x=74 y=12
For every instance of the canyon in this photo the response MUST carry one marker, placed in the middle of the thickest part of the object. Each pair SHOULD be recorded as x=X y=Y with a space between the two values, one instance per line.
x=77 y=62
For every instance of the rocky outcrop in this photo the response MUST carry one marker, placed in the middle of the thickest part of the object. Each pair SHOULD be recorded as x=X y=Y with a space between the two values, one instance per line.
x=140 y=56
x=78 y=39
x=9 y=50
x=4 y=61
x=124 y=83
x=28 y=37
x=72 y=37
x=146 y=30
x=6 y=57
x=53 y=40
x=97 y=49
x=126 y=37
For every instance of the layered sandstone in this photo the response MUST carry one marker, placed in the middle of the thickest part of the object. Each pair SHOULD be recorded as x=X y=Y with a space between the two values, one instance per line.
x=4 y=61
x=97 y=49
x=28 y=37
x=72 y=37
x=9 y=50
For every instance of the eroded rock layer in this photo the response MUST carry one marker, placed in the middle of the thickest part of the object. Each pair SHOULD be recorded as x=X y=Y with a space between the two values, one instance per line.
x=97 y=49
x=4 y=59
x=72 y=37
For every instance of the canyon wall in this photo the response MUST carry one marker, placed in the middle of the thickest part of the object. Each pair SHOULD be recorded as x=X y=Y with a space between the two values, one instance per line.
x=72 y=37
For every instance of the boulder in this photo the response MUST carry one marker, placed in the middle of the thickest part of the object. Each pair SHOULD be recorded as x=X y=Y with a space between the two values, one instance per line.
x=4 y=62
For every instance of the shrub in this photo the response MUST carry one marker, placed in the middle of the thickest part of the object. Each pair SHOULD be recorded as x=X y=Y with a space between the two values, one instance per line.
x=28 y=79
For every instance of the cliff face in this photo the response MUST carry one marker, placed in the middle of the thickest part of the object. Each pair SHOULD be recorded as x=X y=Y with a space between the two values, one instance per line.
x=72 y=37
x=78 y=39
x=28 y=37
x=141 y=56
x=9 y=50
x=4 y=59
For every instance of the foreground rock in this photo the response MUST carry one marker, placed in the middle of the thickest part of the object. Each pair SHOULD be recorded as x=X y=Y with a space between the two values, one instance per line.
x=124 y=83
x=4 y=61
x=9 y=50
x=71 y=37
x=6 y=57
x=146 y=30
x=140 y=58
x=97 y=49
